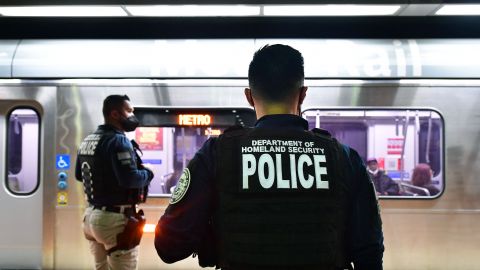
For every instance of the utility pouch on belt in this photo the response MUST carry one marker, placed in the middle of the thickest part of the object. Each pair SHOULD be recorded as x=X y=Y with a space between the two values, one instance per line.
x=132 y=234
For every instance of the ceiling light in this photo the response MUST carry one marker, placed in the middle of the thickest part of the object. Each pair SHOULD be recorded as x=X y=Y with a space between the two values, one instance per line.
x=330 y=10
x=63 y=11
x=459 y=10
x=194 y=10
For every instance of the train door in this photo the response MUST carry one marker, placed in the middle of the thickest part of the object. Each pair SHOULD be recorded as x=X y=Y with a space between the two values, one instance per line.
x=21 y=196
x=170 y=138
x=168 y=150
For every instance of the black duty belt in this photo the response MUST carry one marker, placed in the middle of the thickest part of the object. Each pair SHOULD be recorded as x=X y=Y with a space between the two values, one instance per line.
x=116 y=209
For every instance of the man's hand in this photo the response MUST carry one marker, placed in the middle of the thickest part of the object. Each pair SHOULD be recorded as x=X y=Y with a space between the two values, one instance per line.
x=149 y=168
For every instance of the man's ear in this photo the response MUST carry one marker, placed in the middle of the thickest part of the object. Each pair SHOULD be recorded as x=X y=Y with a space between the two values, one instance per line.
x=303 y=94
x=114 y=114
x=248 y=96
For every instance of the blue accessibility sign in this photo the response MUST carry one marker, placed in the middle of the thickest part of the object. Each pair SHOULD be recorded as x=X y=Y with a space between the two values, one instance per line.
x=63 y=162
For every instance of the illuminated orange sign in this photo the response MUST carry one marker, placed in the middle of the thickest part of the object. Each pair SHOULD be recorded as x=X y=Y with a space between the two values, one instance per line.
x=194 y=119
x=213 y=132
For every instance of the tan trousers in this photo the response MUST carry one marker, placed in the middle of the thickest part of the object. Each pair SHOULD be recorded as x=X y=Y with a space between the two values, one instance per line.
x=101 y=229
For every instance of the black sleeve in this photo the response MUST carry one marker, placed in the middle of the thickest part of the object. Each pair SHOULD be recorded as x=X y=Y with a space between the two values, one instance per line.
x=78 y=170
x=181 y=230
x=366 y=238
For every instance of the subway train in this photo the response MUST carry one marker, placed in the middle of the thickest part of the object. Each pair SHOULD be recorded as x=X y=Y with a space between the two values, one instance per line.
x=402 y=102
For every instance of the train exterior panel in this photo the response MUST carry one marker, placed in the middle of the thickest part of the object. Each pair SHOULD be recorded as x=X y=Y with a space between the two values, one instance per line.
x=41 y=228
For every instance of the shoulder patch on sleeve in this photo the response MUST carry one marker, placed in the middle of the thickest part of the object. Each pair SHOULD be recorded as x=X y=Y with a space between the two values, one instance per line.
x=124 y=155
x=182 y=187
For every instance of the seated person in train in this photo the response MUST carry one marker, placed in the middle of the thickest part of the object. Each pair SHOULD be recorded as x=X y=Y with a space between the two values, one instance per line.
x=384 y=185
x=422 y=177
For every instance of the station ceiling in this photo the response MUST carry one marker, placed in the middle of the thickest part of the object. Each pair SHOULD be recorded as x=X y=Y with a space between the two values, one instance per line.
x=412 y=19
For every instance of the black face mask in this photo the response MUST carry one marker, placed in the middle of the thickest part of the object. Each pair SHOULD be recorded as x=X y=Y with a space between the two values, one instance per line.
x=130 y=123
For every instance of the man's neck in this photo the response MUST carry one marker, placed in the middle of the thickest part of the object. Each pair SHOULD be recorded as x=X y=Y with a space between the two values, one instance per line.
x=274 y=108
x=116 y=125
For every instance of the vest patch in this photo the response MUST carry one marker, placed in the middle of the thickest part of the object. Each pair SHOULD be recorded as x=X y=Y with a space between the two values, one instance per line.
x=283 y=165
x=282 y=198
x=124 y=155
x=182 y=187
x=89 y=145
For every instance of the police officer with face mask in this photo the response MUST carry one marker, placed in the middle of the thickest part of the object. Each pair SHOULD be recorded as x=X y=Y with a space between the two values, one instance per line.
x=275 y=196
x=114 y=182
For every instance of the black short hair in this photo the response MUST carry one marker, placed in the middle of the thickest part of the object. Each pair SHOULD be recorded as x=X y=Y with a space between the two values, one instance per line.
x=276 y=72
x=113 y=102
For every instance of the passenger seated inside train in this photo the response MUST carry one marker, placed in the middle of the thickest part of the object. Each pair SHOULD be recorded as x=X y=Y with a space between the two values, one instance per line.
x=384 y=185
x=422 y=177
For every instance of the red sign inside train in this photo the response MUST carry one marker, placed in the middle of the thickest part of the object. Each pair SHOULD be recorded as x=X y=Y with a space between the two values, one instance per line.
x=394 y=146
x=149 y=138
x=195 y=119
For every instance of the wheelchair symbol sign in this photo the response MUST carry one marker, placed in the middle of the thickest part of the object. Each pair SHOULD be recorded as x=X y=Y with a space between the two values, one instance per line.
x=63 y=162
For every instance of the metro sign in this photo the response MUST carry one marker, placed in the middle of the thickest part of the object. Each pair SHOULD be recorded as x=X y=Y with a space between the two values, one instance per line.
x=195 y=119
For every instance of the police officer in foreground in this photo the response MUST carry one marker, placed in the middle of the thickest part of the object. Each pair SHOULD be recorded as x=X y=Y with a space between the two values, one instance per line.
x=115 y=181
x=275 y=196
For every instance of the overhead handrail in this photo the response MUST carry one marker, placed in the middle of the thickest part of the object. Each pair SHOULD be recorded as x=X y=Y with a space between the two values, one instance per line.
x=402 y=155
x=429 y=133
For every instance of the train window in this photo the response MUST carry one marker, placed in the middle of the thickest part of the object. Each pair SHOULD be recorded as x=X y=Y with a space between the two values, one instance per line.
x=169 y=138
x=403 y=149
x=22 y=151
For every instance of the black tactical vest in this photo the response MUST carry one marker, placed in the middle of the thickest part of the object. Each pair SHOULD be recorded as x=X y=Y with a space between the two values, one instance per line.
x=100 y=184
x=282 y=200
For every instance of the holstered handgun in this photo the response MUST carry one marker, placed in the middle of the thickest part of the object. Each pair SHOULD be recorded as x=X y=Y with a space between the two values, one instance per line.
x=132 y=234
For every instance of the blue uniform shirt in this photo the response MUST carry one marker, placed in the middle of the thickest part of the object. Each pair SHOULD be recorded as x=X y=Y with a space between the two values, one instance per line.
x=120 y=164
x=183 y=226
